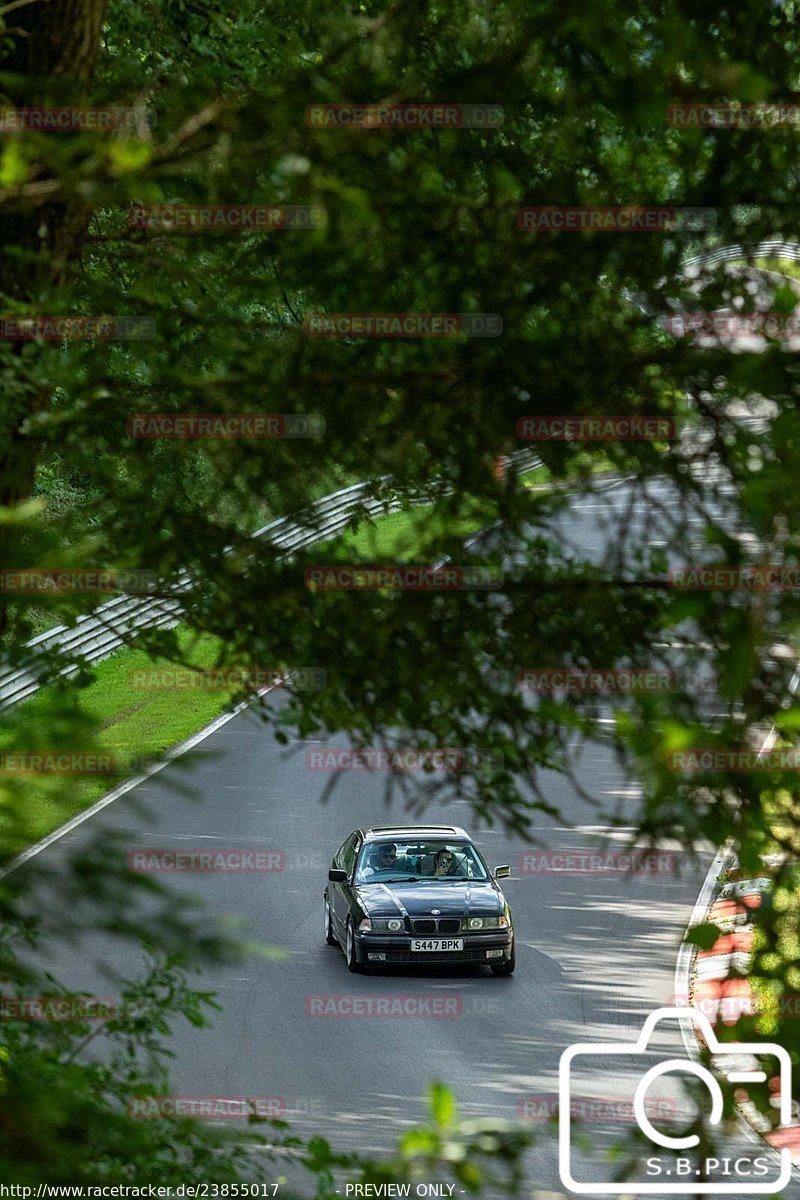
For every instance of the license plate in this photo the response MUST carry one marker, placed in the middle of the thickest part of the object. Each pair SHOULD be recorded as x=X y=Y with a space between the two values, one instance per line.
x=438 y=944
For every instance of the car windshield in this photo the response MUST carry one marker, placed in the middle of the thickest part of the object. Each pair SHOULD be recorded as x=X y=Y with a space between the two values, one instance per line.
x=407 y=859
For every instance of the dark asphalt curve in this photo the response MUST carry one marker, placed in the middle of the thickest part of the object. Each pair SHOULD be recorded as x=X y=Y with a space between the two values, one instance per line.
x=595 y=950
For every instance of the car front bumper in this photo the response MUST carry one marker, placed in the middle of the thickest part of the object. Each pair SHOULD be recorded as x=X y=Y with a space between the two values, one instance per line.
x=487 y=948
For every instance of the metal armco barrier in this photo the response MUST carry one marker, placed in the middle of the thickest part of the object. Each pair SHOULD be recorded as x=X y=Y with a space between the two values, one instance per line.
x=788 y=250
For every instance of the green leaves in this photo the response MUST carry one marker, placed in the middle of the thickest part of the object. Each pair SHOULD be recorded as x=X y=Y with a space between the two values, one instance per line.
x=705 y=936
x=442 y=1104
x=13 y=164
x=127 y=155
x=418 y=221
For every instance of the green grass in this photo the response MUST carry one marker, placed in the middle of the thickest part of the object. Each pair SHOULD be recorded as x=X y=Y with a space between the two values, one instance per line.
x=108 y=715
x=399 y=534
x=396 y=535
x=781 y=266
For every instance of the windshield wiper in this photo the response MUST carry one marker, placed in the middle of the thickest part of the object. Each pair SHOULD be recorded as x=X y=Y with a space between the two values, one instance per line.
x=435 y=878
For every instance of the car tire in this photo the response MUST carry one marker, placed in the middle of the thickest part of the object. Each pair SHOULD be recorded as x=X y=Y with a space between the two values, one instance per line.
x=506 y=968
x=350 y=950
x=330 y=936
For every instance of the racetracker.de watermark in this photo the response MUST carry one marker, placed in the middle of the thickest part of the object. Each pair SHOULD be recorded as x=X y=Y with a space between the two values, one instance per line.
x=398 y=1005
x=700 y=758
x=207 y=1108
x=787 y=1005
x=58 y=762
x=148 y=860
x=627 y=218
x=753 y=577
x=403 y=577
x=730 y=325
x=594 y=1108
x=225 y=425
x=597 y=862
x=402 y=325
x=75 y=120
x=225 y=218
x=576 y=680
x=61 y=580
x=58 y=1009
x=699 y=115
x=400 y=758
x=595 y=429
x=223 y=679
x=720 y=1000
x=37 y=328
x=404 y=116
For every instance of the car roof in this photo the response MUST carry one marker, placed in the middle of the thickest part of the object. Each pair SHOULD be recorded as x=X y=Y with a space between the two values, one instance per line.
x=381 y=832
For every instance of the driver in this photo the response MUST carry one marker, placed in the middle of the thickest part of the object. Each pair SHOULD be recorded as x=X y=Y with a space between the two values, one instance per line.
x=385 y=858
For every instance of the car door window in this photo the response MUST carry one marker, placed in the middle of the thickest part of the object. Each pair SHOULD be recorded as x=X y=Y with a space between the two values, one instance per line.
x=338 y=858
x=350 y=852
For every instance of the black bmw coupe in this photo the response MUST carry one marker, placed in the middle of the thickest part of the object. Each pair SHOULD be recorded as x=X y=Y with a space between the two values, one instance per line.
x=417 y=894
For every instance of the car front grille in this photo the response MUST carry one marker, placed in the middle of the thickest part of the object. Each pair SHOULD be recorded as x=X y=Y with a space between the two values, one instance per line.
x=443 y=925
x=424 y=926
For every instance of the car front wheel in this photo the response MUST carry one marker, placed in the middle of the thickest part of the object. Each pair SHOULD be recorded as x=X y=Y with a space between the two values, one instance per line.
x=350 y=950
x=330 y=936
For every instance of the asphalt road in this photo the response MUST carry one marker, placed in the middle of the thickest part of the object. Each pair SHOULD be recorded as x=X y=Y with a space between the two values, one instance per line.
x=596 y=950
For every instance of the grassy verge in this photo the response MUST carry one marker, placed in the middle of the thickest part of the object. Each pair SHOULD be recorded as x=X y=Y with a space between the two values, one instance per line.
x=399 y=534
x=781 y=266
x=127 y=721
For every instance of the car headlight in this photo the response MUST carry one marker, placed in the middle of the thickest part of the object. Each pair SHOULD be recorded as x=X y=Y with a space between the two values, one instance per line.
x=364 y=926
x=387 y=925
x=489 y=922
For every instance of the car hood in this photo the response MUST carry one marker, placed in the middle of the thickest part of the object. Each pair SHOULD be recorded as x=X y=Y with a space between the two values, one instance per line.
x=417 y=899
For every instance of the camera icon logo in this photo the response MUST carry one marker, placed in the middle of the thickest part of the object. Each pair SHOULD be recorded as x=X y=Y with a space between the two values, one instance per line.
x=738 y=1174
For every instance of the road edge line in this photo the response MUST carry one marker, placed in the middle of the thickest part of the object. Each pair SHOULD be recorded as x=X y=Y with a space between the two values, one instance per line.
x=122 y=789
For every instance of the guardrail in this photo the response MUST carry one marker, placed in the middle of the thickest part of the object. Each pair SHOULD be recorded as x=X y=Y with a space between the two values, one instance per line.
x=730 y=253
x=117 y=622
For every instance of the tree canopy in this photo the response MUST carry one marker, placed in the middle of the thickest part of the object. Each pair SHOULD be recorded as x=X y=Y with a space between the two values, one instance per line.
x=415 y=221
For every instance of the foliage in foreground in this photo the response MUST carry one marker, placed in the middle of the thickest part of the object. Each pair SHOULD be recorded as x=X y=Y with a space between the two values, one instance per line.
x=415 y=222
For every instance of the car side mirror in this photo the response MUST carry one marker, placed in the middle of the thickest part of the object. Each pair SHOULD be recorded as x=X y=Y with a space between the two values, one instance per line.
x=337 y=876
x=502 y=872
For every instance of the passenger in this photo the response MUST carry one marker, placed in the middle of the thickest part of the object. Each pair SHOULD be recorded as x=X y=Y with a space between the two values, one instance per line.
x=445 y=863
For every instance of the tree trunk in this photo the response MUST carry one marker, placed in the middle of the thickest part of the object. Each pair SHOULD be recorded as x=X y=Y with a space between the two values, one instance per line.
x=56 y=39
